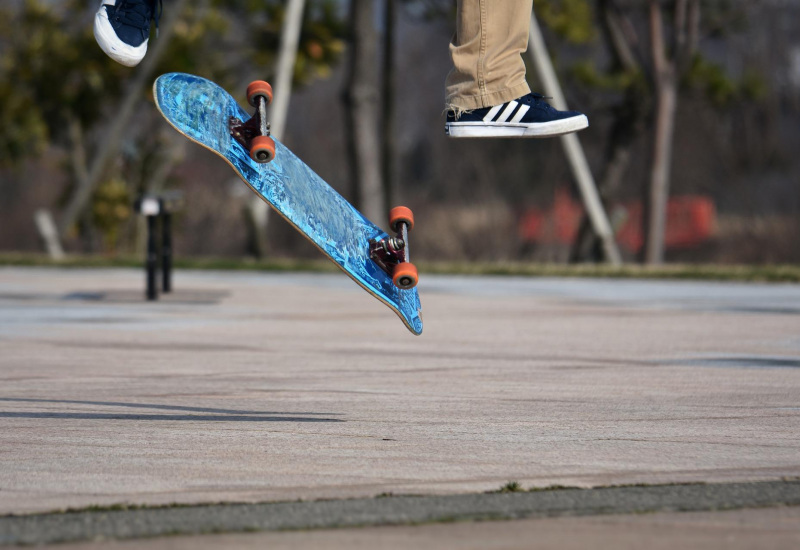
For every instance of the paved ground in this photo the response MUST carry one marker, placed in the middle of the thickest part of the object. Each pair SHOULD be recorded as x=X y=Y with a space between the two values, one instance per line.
x=264 y=387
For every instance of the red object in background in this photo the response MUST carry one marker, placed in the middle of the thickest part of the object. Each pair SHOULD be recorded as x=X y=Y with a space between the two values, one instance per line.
x=559 y=224
x=690 y=221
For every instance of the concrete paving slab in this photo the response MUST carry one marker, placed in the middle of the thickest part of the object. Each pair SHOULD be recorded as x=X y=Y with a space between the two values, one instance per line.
x=775 y=529
x=259 y=387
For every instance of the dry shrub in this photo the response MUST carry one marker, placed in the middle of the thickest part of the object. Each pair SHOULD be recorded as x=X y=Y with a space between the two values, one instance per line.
x=486 y=231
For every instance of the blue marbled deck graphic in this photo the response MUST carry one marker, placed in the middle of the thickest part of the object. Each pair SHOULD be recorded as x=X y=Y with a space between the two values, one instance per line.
x=200 y=109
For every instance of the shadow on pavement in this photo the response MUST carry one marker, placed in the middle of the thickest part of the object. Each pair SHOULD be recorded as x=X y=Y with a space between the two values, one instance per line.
x=221 y=415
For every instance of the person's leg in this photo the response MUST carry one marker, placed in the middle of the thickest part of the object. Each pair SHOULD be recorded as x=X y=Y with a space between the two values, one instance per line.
x=486 y=94
x=486 y=50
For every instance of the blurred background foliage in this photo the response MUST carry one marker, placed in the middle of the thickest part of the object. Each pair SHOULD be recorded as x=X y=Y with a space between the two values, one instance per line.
x=737 y=128
x=51 y=70
x=571 y=19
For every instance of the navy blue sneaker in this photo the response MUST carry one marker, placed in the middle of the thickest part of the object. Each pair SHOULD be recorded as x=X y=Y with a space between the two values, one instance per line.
x=122 y=28
x=528 y=116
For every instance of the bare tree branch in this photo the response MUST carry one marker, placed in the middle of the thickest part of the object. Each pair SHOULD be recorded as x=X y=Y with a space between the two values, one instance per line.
x=657 y=45
x=77 y=150
x=617 y=37
x=694 y=27
x=679 y=30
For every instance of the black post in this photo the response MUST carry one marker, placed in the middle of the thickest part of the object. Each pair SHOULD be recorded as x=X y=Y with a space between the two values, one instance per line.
x=152 y=258
x=166 y=251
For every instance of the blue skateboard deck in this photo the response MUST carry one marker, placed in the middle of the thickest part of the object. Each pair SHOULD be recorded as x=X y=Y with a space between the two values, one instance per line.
x=200 y=110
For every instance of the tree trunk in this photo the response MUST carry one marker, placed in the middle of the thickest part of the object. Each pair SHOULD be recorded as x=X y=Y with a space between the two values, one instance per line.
x=667 y=96
x=627 y=127
x=666 y=85
x=361 y=98
x=387 y=105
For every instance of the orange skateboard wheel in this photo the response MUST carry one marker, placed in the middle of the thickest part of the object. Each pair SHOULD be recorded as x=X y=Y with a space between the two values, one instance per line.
x=405 y=276
x=256 y=89
x=262 y=149
x=401 y=214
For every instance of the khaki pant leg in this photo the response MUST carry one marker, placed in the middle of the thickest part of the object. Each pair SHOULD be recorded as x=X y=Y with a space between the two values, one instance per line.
x=486 y=50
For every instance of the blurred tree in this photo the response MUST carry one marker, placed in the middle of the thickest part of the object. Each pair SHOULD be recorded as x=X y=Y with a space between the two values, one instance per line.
x=671 y=55
x=57 y=88
x=52 y=76
x=363 y=100
x=573 y=20
x=647 y=76
x=322 y=36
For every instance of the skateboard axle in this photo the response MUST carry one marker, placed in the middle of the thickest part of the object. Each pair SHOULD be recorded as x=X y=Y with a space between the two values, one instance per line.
x=245 y=132
x=394 y=244
x=391 y=252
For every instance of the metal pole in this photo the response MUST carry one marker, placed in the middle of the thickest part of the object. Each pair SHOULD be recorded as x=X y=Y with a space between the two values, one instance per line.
x=166 y=251
x=572 y=146
x=151 y=264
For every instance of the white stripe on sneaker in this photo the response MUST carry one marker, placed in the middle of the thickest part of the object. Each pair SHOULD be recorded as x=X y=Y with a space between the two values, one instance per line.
x=493 y=111
x=521 y=113
x=507 y=111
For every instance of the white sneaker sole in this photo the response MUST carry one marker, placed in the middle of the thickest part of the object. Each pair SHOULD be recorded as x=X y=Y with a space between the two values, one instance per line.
x=108 y=41
x=511 y=129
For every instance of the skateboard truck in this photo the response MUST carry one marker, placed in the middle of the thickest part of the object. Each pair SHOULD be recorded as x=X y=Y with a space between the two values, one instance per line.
x=253 y=134
x=391 y=253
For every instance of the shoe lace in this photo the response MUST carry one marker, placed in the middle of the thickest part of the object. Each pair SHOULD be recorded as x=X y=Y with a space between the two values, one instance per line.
x=541 y=101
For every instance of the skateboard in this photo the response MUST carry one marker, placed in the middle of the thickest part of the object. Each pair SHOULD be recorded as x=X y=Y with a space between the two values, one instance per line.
x=379 y=262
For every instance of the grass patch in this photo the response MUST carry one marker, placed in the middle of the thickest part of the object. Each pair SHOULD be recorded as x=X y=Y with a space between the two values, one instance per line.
x=213 y=264
x=510 y=487
x=555 y=488
x=754 y=273
x=515 y=487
